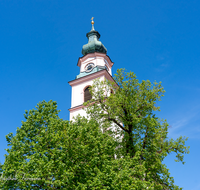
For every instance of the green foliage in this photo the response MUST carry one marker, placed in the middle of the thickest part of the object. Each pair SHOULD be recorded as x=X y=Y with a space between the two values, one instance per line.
x=121 y=146
x=131 y=109
x=50 y=153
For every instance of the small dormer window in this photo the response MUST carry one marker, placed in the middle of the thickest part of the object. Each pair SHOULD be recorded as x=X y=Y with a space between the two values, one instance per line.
x=87 y=94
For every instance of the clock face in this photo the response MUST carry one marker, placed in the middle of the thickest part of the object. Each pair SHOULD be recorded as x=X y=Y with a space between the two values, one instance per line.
x=89 y=67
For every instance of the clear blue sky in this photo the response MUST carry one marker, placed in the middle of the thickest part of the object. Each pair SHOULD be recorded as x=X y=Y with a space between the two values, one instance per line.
x=41 y=41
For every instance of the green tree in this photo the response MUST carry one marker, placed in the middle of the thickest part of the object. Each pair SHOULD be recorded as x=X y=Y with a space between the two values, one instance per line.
x=50 y=153
x=131 y=107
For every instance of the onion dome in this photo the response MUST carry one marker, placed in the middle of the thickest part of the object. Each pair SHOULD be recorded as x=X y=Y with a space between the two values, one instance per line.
x=93 y=45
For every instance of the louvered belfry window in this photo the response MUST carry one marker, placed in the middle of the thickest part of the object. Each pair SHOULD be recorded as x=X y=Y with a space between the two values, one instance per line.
x=87 y=95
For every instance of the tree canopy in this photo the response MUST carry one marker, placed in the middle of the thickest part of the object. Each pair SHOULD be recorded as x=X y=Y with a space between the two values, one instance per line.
x=121 y=145
x=50 y=153
x=131 y=107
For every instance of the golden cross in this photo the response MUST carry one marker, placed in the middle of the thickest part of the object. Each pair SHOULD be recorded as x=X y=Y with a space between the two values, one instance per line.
x=92 y=20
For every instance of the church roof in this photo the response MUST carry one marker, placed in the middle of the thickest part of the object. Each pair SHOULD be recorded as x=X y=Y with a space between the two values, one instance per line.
x=93 y=45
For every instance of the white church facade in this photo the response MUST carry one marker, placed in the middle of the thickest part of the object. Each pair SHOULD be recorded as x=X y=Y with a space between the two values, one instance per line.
x=94 y=64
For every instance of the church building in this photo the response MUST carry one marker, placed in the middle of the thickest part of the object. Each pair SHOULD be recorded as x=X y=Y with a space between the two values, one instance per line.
x=94 y=64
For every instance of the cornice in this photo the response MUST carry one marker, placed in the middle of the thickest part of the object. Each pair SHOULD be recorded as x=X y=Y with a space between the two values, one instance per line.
x=95 y=54
x=91 y=77
x=76 y=108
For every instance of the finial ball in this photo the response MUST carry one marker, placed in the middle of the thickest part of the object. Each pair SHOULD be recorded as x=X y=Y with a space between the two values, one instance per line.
x=92 y=20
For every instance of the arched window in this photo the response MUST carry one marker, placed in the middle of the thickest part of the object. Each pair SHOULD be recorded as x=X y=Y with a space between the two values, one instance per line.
x=87 y=95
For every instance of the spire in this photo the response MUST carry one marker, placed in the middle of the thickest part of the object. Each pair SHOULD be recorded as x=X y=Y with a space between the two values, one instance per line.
x=92 y=22
x=93 y=45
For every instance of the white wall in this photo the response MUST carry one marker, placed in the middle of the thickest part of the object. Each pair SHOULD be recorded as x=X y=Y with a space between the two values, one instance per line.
x=78 y=92
x=100 y=61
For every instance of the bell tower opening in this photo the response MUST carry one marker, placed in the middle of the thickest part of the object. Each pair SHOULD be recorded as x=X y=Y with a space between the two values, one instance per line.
x=87 y=94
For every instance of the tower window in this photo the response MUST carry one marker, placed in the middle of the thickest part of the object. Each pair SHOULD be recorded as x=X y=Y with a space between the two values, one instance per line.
x=87 y=94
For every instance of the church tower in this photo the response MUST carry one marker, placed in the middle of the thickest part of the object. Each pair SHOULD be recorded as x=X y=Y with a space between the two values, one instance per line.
x=94 y=64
